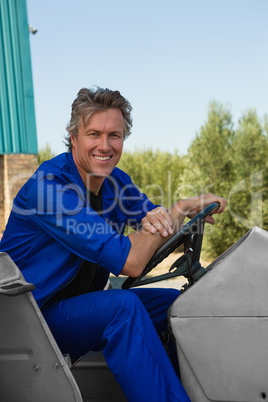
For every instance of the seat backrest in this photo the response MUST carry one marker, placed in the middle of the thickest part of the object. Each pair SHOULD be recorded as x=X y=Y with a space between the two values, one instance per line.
x=32 y=368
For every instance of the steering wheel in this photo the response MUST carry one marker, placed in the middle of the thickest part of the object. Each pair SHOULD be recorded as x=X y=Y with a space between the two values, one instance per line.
x=191 y=234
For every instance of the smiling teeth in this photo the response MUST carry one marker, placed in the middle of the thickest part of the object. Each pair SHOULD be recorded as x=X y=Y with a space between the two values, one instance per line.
x=102 y=158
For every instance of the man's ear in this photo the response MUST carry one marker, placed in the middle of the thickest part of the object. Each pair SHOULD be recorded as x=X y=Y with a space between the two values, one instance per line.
x=73 y=139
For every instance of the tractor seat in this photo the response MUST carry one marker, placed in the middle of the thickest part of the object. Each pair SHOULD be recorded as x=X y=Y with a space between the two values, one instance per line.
x=31 y=365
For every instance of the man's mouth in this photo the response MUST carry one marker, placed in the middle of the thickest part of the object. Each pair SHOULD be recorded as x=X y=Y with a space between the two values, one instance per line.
x=102 y=158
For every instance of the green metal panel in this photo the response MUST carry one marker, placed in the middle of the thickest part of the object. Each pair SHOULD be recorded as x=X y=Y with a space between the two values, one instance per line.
x=17 y=114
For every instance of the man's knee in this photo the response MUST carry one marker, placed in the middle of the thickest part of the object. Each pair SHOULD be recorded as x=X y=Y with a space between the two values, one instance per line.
x=172 y=295
x=127 y=301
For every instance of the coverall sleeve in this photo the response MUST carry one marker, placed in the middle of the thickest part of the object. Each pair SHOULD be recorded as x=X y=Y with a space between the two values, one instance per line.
x=60 y=210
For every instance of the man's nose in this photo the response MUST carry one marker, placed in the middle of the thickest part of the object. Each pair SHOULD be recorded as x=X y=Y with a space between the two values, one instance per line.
x=104 y=143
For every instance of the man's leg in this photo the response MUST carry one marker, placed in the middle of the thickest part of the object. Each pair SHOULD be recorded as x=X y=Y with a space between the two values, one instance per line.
x=117 y=322
x=157 y=302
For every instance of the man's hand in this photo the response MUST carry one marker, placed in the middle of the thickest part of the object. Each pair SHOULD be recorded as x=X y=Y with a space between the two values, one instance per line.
x=158 y=220
x=202 y=201
x=144 y=243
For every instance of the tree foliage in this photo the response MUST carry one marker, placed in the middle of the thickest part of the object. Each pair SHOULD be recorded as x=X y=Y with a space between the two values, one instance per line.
x=248 y=197
x=156 y=173
x=233 y=164
x=45 y=153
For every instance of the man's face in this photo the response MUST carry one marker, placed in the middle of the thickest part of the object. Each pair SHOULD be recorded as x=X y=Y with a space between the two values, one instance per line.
x=98 y=147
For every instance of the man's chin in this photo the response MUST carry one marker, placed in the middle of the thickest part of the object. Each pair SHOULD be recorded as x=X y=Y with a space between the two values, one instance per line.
x=100 y=175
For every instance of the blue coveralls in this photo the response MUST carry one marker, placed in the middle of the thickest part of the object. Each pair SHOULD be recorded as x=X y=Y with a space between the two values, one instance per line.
x=51 y=229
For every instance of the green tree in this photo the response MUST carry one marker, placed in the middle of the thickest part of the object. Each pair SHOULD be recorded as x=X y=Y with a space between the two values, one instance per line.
x=209 y=160
x=231 y=163
x=249 y=195
x=156 y=173
x=45 y=153
x=210 y=169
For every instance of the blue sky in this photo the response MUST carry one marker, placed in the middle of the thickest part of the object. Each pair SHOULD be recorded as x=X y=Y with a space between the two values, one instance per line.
x=169 y=58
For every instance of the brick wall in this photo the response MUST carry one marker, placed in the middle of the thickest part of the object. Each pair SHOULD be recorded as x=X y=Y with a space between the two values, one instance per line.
x=15 y=169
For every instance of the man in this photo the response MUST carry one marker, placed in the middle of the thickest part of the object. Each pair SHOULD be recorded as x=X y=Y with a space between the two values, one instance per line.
x=65 y=233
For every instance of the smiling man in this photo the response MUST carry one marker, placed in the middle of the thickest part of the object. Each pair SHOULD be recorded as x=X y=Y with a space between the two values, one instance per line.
x=98 y=146
x=66 y=234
